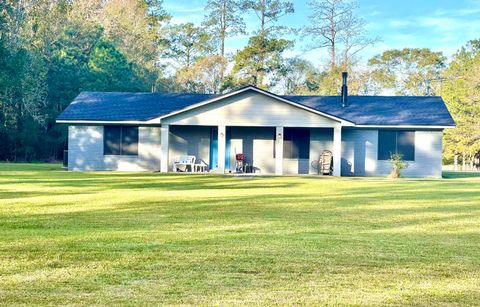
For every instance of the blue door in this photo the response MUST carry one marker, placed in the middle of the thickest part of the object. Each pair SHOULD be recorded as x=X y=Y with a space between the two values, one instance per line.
x=227 y=150
x=214 y=149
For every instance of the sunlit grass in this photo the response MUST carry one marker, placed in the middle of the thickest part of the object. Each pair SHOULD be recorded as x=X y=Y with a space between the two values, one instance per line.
x=148 y=238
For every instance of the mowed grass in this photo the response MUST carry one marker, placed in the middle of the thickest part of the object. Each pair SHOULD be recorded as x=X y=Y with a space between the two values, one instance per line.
x=113 y=238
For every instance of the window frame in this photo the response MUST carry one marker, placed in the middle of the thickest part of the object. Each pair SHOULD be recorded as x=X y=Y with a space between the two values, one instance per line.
x=407 y=134
x=121 y=150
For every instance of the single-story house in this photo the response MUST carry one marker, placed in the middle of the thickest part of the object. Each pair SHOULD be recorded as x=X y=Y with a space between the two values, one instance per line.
x=277 y=134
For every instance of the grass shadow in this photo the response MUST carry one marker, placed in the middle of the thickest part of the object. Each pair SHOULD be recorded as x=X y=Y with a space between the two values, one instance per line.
x=460 y=175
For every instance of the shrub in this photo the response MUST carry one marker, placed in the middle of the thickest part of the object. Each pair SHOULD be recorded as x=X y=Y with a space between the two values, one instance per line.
x=398 y=164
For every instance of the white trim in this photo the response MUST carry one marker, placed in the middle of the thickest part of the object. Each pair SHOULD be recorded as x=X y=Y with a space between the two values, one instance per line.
x=194 y=106
x=164 y=148
x=260 y=126
x=279 y=135
x=154 y=122
x=221 y=149
x=337 y=151
x=405 y=126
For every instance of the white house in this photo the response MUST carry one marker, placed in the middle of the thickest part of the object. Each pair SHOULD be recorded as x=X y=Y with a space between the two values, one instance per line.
x=277 y=134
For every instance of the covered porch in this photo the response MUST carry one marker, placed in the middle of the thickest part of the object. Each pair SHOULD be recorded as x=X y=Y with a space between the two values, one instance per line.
x=276 y=135
x=269 y=150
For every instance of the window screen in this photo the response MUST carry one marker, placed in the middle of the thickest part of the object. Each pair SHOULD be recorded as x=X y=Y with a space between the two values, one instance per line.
x=396 y=142
x=120 y=140
x=296 y=144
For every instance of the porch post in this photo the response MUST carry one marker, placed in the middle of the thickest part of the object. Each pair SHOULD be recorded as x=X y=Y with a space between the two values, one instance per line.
x=337 y=150
x=221 y=149
x=164 y=136
x=279 y=151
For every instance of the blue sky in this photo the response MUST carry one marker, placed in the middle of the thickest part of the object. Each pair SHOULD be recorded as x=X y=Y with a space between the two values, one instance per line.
x=442 y=25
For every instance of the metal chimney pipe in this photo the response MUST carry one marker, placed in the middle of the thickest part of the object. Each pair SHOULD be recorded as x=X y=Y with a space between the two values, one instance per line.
x=344 y=90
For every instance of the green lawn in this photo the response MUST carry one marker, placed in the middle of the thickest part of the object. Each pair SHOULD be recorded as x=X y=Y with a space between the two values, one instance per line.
x=148 y=238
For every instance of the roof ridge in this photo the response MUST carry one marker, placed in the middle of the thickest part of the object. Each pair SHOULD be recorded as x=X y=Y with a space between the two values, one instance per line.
x=212 y=94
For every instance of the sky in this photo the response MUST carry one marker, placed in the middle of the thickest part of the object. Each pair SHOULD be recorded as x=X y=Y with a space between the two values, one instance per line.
x=441 y=25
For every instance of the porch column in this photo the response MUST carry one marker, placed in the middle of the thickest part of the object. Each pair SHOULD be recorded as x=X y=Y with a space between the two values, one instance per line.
x=279 y=151
x=164 y=136
x=221 y=149
x=337 y=150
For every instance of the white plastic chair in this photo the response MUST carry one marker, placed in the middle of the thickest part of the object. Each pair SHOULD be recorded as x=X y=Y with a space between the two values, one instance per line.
x=184 y=162
x=201 y=166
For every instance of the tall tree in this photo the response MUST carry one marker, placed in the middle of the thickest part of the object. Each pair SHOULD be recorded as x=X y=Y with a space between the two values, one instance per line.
x=410 y=71
x=50 y=50
x=268 y=13
x=205 y=76
x=260 y=57
x=223 y=19
x=329 y=82
x=136 y=27
x=334 y=25
x=298 y=76
x=263 y=54
x=109 y=70
x=188 y=43
x=461 y=92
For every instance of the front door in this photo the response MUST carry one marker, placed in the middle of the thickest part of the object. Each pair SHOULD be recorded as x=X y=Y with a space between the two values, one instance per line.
x=214 y=148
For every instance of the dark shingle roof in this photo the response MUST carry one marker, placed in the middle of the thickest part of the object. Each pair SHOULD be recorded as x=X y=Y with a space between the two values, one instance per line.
x=382 y=110
x=105 y=106
x=361 y=110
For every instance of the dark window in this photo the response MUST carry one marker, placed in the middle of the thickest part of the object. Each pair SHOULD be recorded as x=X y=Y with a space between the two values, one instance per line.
x=406 y=144
x=130 y=141
x=396 y=142
x=296 y=143
x=387 y=144
x=111 y=140
x=120 y=140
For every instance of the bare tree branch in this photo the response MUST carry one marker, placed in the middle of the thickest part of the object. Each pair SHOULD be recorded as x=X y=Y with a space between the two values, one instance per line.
x=334 y=25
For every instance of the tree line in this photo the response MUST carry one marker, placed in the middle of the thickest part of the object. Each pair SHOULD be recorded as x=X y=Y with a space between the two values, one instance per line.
x=51 y=50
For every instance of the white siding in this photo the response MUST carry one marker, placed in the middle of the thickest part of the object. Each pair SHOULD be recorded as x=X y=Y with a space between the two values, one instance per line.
x=189 y=140
x=428 y=157
x=295 y=166
x=257 y=144
x=250 y=109
x=320 y=140
x=360 y=150
x=85 y=150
